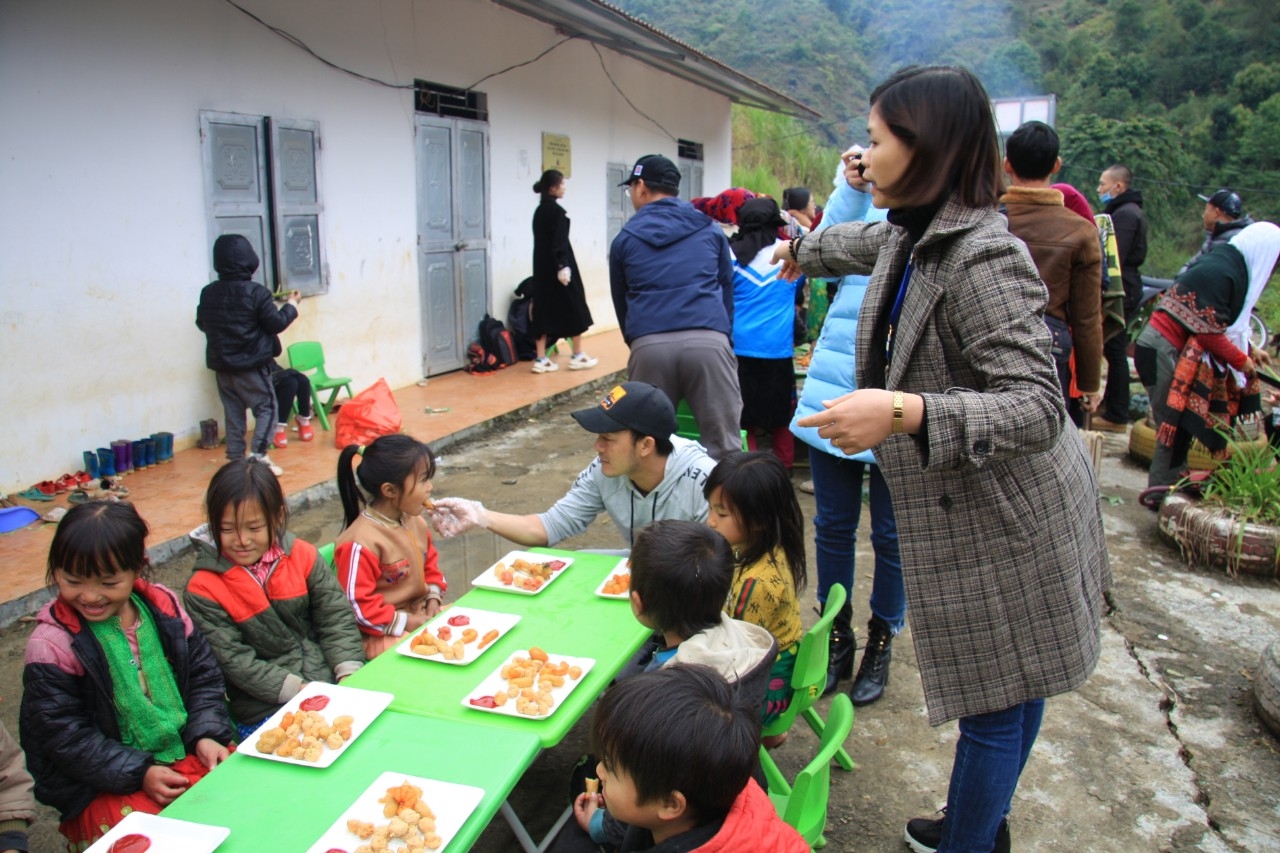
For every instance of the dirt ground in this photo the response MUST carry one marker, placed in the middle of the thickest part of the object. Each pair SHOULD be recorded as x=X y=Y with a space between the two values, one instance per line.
x=1160 y=751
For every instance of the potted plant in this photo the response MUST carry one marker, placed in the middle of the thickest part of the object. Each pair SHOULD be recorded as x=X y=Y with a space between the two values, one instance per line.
x=1234 y=521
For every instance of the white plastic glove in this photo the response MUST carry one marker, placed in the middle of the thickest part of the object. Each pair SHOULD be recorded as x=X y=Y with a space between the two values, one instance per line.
x=452 y=516
x=565 y=275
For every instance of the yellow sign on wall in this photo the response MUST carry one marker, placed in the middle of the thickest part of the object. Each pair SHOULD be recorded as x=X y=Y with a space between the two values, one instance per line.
x=557 y=153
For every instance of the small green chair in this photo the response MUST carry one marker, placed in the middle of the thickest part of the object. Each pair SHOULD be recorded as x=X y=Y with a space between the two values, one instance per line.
x=807 y=682
x=307 y=356
x=687 y=425
x=326 y=551
x=803 y=805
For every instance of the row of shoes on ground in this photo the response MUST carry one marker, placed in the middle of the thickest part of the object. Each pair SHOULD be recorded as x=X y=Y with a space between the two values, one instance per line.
x=579 y=361
x=125 y=455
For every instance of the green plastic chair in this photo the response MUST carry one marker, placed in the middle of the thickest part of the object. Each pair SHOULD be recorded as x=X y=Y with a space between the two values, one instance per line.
x=687 y=425
x=307 y=356
x=807 y=682
x=326 y=551
x=803 y=805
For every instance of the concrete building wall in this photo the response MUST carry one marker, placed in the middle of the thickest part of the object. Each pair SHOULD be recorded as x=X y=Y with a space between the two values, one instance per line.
x=104 y=240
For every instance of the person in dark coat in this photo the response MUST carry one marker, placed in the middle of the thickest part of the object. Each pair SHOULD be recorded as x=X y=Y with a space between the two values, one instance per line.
x=559 y=300
x=241 y=322
x=1124 y=205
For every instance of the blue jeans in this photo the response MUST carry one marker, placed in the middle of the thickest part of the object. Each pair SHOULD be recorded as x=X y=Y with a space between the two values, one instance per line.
x=992 y=751
x=837 y=490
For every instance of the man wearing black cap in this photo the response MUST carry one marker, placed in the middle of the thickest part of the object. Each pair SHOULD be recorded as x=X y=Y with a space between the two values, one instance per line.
x=671 y=273
x=643 y=471
x=1223 y=217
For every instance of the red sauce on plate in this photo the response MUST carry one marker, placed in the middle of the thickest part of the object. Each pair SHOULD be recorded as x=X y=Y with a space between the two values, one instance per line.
x=132 y=843
x=556 y=565
x=460 y=620
x=484 y=702
x=314 y=703
x=335 y=850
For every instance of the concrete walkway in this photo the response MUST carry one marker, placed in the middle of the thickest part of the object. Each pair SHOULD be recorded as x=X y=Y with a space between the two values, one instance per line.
x=441 y=411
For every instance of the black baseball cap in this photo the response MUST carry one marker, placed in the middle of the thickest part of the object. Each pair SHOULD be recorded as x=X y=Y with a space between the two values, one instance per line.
x=631 y=405
x=656 y=170
x=1226 y=201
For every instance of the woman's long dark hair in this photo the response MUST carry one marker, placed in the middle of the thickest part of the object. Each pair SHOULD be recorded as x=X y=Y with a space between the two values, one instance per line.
x=550 y=179
x=388 y=459
x=756 y=488
x=943 y=115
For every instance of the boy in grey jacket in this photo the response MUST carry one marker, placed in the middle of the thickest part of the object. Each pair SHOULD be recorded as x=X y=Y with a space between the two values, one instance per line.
x=642 y=472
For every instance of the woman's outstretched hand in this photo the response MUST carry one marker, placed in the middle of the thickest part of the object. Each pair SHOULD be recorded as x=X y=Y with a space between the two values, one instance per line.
x=790 y=269
x=856 y=421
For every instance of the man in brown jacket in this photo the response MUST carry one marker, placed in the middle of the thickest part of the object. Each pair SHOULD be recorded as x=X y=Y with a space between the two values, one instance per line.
x=1066 y=253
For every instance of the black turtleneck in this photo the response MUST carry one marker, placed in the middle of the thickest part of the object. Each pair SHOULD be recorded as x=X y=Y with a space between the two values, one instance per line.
x=915 y=220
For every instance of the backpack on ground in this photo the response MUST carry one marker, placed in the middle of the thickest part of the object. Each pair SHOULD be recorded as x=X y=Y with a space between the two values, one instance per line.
x=494 y=349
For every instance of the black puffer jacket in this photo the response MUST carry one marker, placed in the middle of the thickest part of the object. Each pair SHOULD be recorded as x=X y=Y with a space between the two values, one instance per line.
x=236 y=313
x=67 y=723
x=1131 y=241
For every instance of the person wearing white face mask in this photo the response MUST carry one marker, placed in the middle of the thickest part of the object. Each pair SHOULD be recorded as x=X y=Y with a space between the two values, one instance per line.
x=1124 y=205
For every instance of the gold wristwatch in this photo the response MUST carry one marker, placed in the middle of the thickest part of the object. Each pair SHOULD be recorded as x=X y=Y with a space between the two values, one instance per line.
x=899 y=425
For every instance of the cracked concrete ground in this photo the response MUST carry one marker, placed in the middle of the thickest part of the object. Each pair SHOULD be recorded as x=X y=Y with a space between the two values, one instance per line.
x=1161 y=750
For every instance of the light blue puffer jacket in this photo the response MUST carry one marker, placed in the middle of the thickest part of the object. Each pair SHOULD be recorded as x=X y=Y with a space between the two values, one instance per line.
x=831 y=371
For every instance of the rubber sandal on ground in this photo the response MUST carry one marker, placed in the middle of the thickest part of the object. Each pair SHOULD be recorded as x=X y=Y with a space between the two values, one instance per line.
x=34 y=494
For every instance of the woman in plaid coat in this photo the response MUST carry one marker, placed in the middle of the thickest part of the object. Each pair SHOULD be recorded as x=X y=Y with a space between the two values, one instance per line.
x=996 y=500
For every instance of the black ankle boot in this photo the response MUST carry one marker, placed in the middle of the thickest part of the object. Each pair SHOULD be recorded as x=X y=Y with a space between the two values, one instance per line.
x=840 y=660
x=873 y=672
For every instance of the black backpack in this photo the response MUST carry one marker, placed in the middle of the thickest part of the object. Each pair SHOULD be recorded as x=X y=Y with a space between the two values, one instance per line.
x=494 y=350
x=518 y=322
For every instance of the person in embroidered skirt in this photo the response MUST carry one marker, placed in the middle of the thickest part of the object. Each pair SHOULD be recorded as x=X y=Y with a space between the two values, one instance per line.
x=387 y=566
x=122 y=703
x=1194 y=355
x=268 y=601
x=559 y=300
x=959 y=397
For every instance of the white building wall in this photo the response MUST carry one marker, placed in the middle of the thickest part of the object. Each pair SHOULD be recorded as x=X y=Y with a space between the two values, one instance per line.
x=103 y=224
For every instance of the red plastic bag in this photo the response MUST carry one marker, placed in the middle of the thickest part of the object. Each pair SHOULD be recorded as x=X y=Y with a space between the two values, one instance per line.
x=367 y=415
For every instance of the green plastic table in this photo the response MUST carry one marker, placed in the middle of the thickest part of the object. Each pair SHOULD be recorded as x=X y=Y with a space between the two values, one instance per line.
x=566 y=619
x=273 y=805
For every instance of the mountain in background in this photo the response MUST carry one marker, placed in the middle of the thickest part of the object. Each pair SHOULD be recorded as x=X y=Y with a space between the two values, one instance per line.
x=1186 y=92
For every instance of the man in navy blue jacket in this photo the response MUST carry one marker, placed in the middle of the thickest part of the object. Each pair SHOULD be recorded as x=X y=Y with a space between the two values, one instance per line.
x=671 y=274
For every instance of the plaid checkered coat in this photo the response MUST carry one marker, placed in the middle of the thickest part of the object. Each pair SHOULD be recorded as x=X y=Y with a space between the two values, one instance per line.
x=996 y=500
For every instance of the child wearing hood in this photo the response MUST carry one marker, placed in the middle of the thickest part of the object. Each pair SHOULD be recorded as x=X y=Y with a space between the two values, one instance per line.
x=241 y=322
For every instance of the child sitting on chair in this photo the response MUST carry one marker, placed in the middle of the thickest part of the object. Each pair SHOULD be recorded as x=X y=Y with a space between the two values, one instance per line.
x=677 y=749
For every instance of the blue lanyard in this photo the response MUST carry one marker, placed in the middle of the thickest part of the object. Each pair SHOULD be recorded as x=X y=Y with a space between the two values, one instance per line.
x=897 y=311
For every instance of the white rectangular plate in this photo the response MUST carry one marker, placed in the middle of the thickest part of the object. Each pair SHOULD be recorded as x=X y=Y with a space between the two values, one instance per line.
x=483 y=621
x=451 y=803
x=495 y=682
x=166 y=834
x=623 y=568
x=489 y=577
x=363 y=705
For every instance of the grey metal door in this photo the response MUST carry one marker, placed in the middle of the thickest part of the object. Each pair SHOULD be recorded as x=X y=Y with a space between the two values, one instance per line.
x=453 y=237
x=300 y=262
x=235 y=169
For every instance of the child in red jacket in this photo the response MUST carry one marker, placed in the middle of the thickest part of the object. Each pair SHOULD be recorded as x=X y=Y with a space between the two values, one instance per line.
x=386 y=563
x=678 y=745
